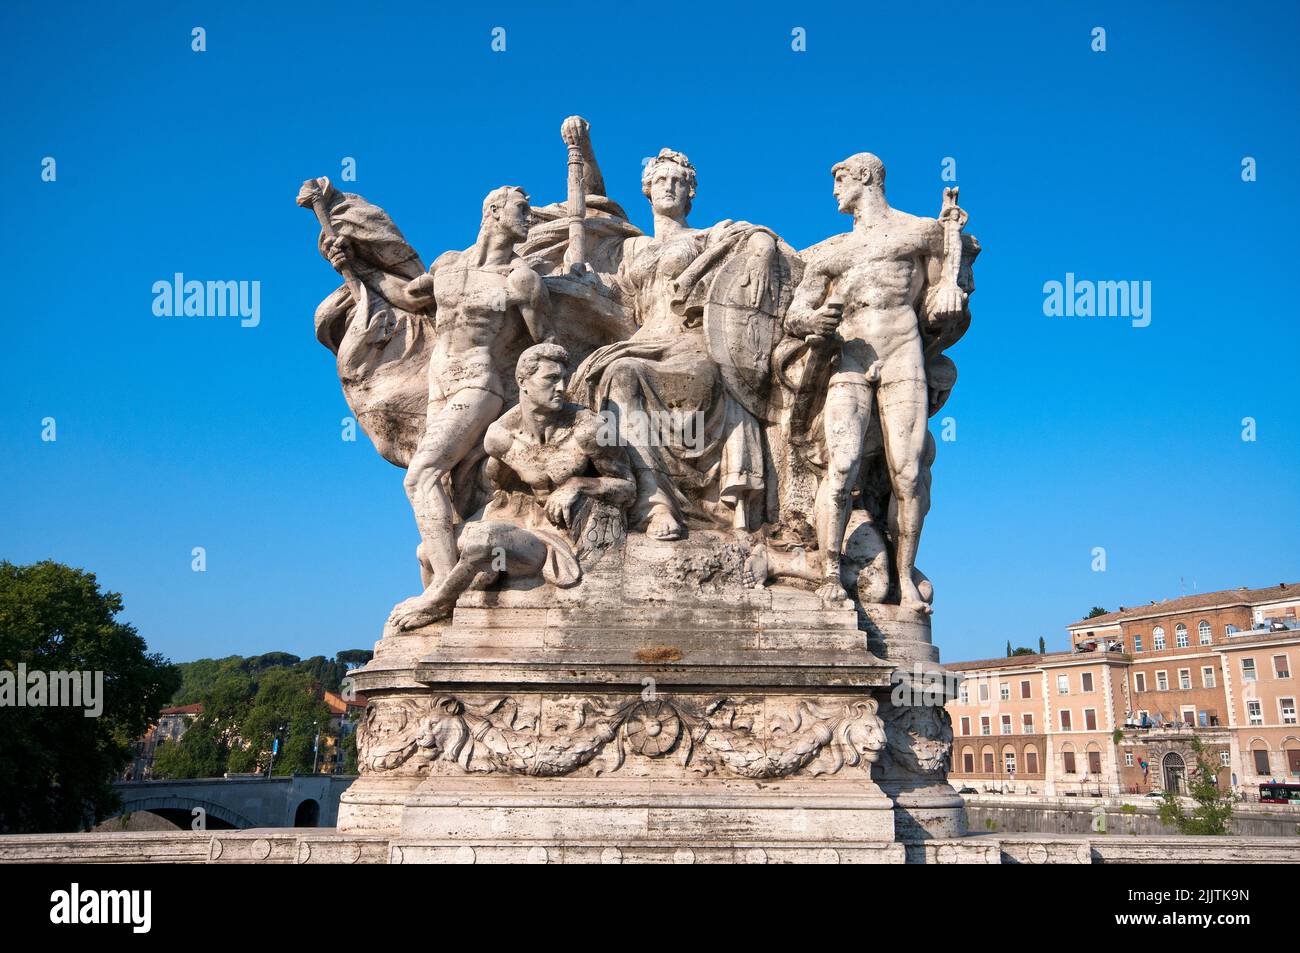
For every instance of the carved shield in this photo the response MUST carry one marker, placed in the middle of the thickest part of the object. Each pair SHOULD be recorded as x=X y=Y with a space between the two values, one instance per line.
x=741 y=335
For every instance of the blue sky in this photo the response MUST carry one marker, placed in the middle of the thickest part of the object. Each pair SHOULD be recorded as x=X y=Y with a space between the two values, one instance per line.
x=1072 y=433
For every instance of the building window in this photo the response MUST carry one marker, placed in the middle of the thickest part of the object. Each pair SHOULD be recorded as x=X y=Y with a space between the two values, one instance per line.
x=968 y=761
x=1203 y=632
x=964 y=695
x=1207 y=677
x=1139 y=682
x=1085 y=682
x=1180 y=636
x=1261 y=761
x=1063 y=684
x=965 y=725
x=1229 y=629
x=1027 y=722
x=1225 y=758
x=1128 y=759
x=1157 y=638
x=1162 y=682
x=1006 y=724
x=1004 y=692
x=1189 y=716
x=988 y=762
x=1248 y=670
x=1090 y=719
x=1065 y=719
x=984 y=725
x=1287 y=707
x=1281 y=667
x=1025 y=689
x=1067 y=761
x=1255 y=712
x=1184 y=678
x=1031 y=761
x=984 y=691
x=1137 y=643
x=1094 y=763
x=1009 y=761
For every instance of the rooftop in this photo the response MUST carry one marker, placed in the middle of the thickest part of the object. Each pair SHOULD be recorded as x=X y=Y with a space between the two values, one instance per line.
x=195 y=709
x=1200 y=600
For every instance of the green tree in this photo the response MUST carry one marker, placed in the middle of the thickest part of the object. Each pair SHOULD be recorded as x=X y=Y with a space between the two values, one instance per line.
x=1096 y=611
x=287 y=707
x=1213 y=807
x=354 y=658
x=1021 y=650
x=57 y=765
x=350 y=753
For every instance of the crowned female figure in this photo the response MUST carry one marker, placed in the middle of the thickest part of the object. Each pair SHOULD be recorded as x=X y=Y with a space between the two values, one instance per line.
x=687 y=392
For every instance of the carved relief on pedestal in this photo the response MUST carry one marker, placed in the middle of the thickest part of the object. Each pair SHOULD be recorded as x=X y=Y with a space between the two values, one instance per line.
x=755 y=738
x=919 y=740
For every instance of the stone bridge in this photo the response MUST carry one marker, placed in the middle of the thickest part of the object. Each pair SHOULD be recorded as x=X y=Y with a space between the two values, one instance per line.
x=299 y=800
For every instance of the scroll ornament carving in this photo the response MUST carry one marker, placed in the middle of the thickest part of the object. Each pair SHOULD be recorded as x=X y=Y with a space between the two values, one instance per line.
x=491 y=736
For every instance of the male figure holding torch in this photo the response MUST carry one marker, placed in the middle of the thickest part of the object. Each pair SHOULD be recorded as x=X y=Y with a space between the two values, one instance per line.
x=476 y=299
x=874 y=286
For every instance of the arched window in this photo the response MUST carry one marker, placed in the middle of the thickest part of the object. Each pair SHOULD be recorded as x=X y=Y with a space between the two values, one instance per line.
x=968 y=760
x=1068 y=765
x=1203 y=632
x=1259 y=758
x=1158 y=638
x=1031 y=759
x=1180 y=636
x=1291 y=756
x=988 y=760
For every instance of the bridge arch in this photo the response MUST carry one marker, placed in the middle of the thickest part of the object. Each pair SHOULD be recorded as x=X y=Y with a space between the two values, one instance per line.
x=180 y=811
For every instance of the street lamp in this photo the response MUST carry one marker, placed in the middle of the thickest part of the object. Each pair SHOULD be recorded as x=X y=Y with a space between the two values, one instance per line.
x=275 y=747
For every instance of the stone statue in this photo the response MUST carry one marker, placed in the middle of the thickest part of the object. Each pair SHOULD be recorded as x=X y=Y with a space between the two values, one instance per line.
x=776 y=399
x=561 y=491
x=635 y=584
x=687 y=390
x=868 y=297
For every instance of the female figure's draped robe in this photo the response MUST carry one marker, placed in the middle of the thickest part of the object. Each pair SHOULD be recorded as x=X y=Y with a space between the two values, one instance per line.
x=689 y=434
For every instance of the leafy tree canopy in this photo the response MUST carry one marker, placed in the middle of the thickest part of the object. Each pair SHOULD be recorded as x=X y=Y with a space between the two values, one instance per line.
x=57 y=765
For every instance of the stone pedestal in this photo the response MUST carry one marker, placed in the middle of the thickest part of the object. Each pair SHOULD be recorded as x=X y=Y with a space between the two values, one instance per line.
x=732 y=720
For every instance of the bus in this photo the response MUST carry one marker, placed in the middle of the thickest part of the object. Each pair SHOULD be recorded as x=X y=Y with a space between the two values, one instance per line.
x=1279 y=793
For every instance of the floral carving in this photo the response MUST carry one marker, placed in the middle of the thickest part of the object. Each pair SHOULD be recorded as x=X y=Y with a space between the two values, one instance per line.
x=804 y=734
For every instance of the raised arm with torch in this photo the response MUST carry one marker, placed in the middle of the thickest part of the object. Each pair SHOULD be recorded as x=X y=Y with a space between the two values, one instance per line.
x=584 y=179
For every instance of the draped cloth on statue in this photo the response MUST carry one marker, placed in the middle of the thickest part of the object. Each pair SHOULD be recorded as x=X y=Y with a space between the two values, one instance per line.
x=666 y=386
x=524 y=510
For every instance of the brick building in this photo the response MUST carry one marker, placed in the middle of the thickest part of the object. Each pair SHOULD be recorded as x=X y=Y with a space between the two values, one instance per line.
x=1117 y=712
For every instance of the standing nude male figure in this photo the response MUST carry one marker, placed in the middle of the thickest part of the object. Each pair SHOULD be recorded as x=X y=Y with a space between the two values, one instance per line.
x=477 y=296
x=873 y=286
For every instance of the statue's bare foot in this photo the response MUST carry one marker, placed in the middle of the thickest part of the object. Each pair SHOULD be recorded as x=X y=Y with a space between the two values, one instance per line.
x=912 y=600
x=415 y=612
x=756 y=568
x=663 y=525
x=831 y=589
